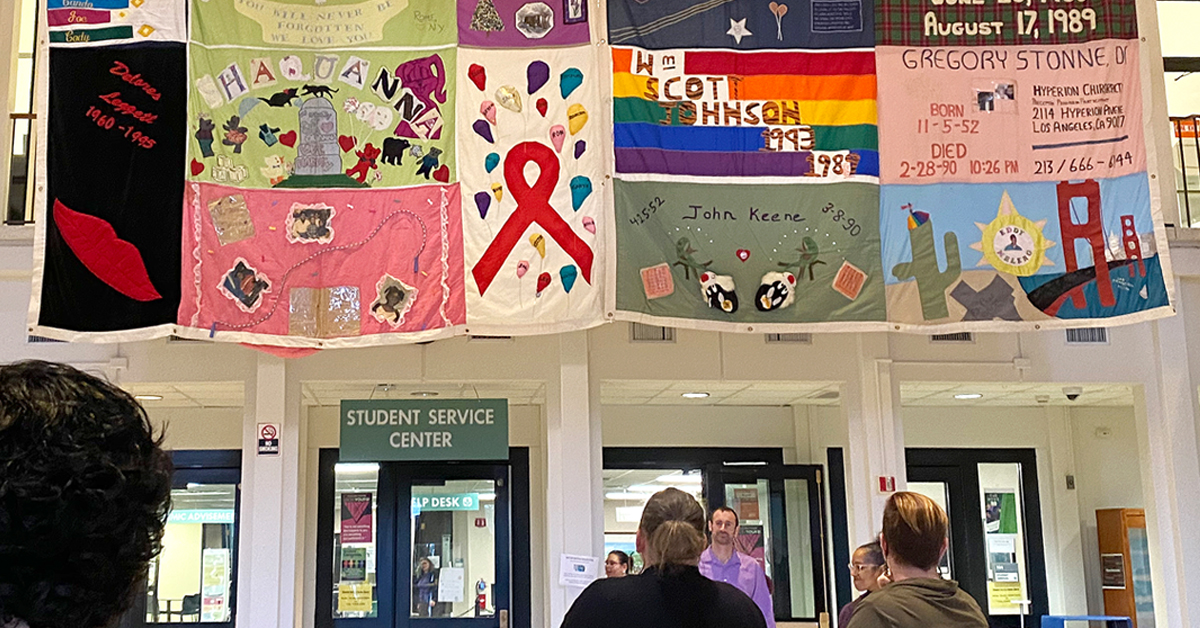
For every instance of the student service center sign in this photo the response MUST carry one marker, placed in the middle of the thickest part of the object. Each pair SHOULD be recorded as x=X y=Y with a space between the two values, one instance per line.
x=379 y=430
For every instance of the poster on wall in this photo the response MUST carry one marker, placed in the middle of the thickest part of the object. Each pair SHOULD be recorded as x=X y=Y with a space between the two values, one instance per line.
x=1002 y=536
x=751 y=542
x=356 y=524
x=1014 y=165
x=214 y=598
x=746 y=502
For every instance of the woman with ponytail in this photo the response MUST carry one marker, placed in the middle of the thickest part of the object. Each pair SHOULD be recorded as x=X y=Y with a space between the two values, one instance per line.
x=670 y=592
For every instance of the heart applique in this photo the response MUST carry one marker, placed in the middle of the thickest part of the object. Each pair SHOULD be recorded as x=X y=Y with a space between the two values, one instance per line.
x=197 y=167
x=288 y=139
x=327 y=127
x=743 y=254
x=347 y=143
x=442 y=174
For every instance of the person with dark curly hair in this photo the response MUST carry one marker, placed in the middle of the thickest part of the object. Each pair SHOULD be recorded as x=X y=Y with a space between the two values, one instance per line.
x=85 y=487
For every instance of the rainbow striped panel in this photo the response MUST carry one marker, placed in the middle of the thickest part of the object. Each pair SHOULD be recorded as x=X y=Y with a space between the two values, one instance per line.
x=715 y=113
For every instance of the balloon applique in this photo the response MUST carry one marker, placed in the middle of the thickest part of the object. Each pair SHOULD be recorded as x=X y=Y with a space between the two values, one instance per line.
x=543 y=283
x=484 y=130
x=541 y=105
x=557 y=135
x=491 y=161
x=538 y=243
x=580 y=147
x=478 y=76
x=522 y=268
x=488 y=109
x=498 y=191
x=570 y=79
x=567 y=275
x=509 y=98
x=581 y=188
x=537 y=73
x=589 y=223
x=577 y=116
x=483 y=201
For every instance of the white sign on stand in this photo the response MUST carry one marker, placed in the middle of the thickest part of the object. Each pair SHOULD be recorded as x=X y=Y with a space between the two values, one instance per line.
x=577 y=571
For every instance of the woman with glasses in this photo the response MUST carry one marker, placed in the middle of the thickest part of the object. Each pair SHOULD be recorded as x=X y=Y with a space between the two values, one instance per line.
x=869 y=571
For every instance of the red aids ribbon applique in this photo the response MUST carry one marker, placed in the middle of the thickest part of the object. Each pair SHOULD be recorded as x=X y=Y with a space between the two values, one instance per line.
x=111 y=259
x=533 y=206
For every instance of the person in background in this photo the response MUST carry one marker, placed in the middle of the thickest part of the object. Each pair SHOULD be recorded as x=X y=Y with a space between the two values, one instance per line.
x=85 y=488
x=425 y=588
x=616 y=565
x=867 y=568
x=670 y=592
x=723 y=563
x=913 y=541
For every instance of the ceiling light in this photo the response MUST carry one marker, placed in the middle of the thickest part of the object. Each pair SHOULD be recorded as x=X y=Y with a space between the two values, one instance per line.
x=424 y=393
x=148 y=397
x=679 y=478
x=968 y=396
x=356 y=467
x=627 y=495
x=694 y=395
x=487 y=497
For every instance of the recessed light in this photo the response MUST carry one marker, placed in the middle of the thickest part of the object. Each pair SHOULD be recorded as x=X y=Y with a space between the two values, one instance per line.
x=968 y=396
x=148 y=397
x=424 y=393
x=694 y=395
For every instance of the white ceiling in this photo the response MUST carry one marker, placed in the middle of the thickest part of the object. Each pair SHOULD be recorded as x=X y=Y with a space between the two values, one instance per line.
x=331 y=393
x=190 y=394
x=642 y=393
x=663 y=392
x=1012 y=394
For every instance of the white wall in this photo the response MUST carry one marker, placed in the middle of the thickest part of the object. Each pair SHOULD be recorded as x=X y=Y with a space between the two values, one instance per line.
x=1107 y=474
x=705 y=426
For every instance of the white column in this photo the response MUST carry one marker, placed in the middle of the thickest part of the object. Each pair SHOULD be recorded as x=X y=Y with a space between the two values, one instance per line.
x=1061 y=518
x=871 y=406
x=573 y=525
x=270 y=585
x=1165 y=413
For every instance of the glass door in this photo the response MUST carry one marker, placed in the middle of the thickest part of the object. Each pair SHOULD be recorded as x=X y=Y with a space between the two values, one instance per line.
x=991 y=497
x=409 y=545
x=780 y=516
x=458 y=531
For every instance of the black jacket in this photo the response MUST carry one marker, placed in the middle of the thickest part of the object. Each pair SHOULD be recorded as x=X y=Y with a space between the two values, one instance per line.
x=680 y=599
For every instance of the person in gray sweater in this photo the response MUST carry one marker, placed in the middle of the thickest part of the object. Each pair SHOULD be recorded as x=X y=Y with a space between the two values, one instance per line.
x=913 y=541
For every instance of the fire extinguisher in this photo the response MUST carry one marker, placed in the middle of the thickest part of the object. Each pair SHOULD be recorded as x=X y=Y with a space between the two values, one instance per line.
x=480 y=597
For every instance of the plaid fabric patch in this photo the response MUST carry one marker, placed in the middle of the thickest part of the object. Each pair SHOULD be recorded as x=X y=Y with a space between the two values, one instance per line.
x=904 y=23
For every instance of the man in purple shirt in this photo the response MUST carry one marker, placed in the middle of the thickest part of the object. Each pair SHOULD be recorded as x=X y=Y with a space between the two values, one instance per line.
x=723 y=563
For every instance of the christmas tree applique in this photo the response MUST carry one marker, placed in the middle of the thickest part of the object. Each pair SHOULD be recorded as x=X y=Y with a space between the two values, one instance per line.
x=486 y=18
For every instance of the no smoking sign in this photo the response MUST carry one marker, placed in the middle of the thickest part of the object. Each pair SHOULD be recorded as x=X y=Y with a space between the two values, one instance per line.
x=268 y=439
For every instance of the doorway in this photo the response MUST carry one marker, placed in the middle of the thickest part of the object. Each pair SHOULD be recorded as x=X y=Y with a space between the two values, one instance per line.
x=423 y=544
x=780 y=509
x=996 y=551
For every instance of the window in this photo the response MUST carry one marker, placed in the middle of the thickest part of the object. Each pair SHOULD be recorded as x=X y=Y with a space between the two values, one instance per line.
x=194 y=578
x=1181 y=60
x=21 y=120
